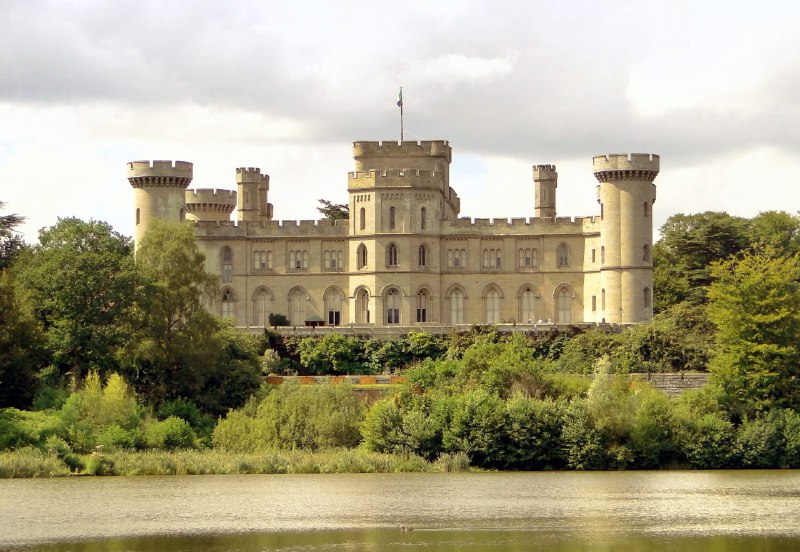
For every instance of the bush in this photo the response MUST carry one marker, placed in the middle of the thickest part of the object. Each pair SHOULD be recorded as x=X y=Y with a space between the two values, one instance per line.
x=170 y=434
x=581 y=442
x=19 y=428
x=534 y=433
x=276 y=319
x=707 y=442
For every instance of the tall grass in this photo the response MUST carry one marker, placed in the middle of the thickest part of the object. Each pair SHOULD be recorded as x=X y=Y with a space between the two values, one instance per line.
x=31 y=462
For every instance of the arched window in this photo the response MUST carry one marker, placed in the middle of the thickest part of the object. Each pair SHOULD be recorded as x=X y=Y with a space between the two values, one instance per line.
x=492 y=306
x=339 y=260
x=527 y=305
x=422 y=306
x=361 y=256
x=333 y=306
x=601 y=211
x=593 y=251
x=305 y=260
x=646 y=209
x=450 y=258
x=422 y=256
x=423 y=218
x=646 y=253
x=456 y=306
x=534 y=258
x=602 y=254
x=228 y=304
x=297 y=306
x=362 y=218
x=227 y=264
x=326 y=260
x=461 y=258
x=362 y=307
x=564 y=306
x=392 y=306
x=391 y=218
x=256 y=260
x=262 y=307
x=603 y=299
x=647 y=298
x=391 y=255
x=138 y=216
x=269 y=261
x=563 y=255
x=485 y=258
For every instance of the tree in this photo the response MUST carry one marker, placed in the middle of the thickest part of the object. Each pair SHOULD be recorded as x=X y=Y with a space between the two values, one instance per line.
x=11 y=244
x=79 y=281
x=755 y=304
x=778 y=229
x=334 y=211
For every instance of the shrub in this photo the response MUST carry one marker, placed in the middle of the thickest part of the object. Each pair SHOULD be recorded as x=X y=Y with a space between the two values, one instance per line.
x=534 y=433
x=707 y=442
x=581 y=442
x=170 y=434
x=20 y=428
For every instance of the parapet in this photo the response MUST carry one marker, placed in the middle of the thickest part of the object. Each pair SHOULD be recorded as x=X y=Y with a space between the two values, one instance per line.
x=143 y=174
x=544 y=172
x=426 y=148
x=622 y=166
x=251 y=175
x=412 y=178
x=208 y=199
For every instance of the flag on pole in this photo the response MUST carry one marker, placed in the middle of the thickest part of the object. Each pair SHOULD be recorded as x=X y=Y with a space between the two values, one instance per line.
x=400 y=98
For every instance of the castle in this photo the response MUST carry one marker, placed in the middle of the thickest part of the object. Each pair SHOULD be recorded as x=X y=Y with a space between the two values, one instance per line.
x=404 y=260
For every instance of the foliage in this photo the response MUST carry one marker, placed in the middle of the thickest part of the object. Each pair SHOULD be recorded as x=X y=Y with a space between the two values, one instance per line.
x=755 y=304
x=332 y=354
x=277 y=319
x=11 y=244
x=20 y=428
x=169 y=434
x=334 y=211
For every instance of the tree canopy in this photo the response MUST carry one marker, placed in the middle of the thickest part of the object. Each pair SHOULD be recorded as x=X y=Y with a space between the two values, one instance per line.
x=334 y=211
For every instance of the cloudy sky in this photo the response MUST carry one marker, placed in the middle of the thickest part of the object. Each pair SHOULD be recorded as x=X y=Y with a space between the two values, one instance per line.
x=86 y=86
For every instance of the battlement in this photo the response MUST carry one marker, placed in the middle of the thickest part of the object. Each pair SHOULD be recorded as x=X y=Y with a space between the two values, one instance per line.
x=544 y=172
x=251 y=175
x=209 y=199
x=529 y=226
x=425 y=148
x=143 y=174
x=273 y=229
x=395 y=177
x=637 y=165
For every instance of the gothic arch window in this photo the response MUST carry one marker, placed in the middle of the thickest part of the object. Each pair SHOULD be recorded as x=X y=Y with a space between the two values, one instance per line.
x=362 y=218
x=562 y=254
x=391 y=255
x=361 y=256
x=392 y=306
x=492 y=305
x=297 y=306
x=423 y=218
x=228 y=303
x=138 y=216
x=646 y=253
x=262 y=306
x=457 y=301
x=362 y=306
x=563 y=298
x=527 y=305
x=392 y=221
x=422 y=256
x=423 y=304
x=334 y=298
x=227 y=264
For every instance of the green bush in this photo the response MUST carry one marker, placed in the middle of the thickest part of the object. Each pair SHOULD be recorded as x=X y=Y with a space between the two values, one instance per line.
x=707 y=442
x=580 y=440
x=20 y=428
x=534 y=433
x=170 y=434
x=115 y=437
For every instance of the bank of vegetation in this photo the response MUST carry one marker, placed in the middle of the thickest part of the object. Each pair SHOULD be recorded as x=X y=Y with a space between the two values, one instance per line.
x=112 y=366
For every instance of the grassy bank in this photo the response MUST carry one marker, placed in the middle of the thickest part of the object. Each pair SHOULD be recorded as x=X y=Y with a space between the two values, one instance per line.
x=30 y=462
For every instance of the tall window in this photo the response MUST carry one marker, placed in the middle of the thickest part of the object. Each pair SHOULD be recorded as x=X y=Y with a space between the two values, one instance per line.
x=138 y=216
x=423 y=218
x=492 y=306
x=492 y=258
x=603 y=299
x=457 y=307
x=262 y=306
x=456 y=258
x=422 y=256
x=647 y=298
x=228 y=304
x=362 y=307
x=593 y=256
x=361 y=256
x=422 y=306
x=646 y=209
x=392 y=307
x=297 y=307
x=646 y=253
x=326 y=260
x=391 y=218
x=298 y=260
x=227 y=264
x=333 y=306
x=602 y=253
x=269 y=261
x=526 y=258
x=391 y=255
x=564 y=304
x=362 y=218
x=527 y=302
x=563 y=255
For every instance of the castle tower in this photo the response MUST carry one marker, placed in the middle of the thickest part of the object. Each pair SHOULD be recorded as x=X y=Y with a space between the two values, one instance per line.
x=158 y=192
x=626 y=194
x=253 y=188
x=545 y=179
x=210 y=205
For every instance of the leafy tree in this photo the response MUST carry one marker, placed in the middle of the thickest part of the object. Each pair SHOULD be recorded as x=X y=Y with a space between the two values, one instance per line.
x=777 y=229
x=755 y=304
x=79 y=281
x=11 y=244
x=334 y=211
x=333 y=353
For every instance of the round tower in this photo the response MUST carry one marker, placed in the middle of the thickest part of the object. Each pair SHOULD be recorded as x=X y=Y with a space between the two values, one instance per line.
x=545 y=180
x=158 y=192
x=210 y=205
x=626 y=194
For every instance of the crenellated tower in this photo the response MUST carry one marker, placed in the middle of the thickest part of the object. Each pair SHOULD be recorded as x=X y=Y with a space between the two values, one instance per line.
x=158 y=192
x=252 y=199
x=626 y=194
x=545 y=179
x=210 y=205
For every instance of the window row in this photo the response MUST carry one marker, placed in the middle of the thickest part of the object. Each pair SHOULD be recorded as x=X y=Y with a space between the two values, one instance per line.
x=423 y=218
x=647 y=299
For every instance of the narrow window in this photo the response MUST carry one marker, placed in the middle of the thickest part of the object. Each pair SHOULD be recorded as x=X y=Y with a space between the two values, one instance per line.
x=392 y=307
x=305 y=260
x=492 y=314
x=138 y=216
x=262 y=308
x=647 y=298
x=602 y=253
x=362 y=218
x=422 y=306
x=646 y=253
x=333 y=306
x=526 y=305
x=326 y=262
x=564 y=306
x=601 y=211
x=339 y=260
x=361 y=256
x=297 y=307
x=423 y=218
x=269 y=260
x=594 y=303
x=450 y=259
x=457 y=307
x=391 y=256
x=256 y=260
x=563 y=255
x=592 y=255
x=603 y=299
x=422 y=259
x=362 y=312
x=227 y=264
x=228 y=304
x=391 y=218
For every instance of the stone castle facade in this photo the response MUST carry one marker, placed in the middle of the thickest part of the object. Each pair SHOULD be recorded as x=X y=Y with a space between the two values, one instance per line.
x=405 y=260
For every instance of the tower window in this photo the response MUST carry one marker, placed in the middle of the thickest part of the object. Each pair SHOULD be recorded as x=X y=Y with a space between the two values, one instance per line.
x=391 y=218
x=647 y=299
x=227 y=264
x=423 y=218
x=391 y=255
x=228 y=304
x=646 y=253
x=646 y=209
x=361 y=256
x=138 y=216
x=422 y=256
x=362 y=218
x=563 y=255
x=392 y=307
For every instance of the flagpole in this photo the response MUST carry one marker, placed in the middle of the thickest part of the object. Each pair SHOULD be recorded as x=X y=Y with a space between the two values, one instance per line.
x=400 y=104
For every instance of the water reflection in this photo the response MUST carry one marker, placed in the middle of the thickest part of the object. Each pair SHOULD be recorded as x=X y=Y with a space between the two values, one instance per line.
x=659 y=511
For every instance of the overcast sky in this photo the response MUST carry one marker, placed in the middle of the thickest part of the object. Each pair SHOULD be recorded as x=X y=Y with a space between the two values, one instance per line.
x=86 y=86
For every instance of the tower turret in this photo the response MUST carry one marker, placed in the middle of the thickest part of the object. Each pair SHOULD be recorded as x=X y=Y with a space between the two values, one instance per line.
x=545 y=179
x=210 y=205
x=253 y=189
x=626 y=194
x=158 y=191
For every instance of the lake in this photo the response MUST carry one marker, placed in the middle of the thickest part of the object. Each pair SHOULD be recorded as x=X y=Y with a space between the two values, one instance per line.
x=563 y=511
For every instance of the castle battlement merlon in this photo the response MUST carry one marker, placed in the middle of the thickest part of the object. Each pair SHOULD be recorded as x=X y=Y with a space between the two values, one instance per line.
x=407 y=178
x=251 y=175
x=142 y=174
x=425 y=148
x=622 y=166
x=545 y=172
x=210 y=199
